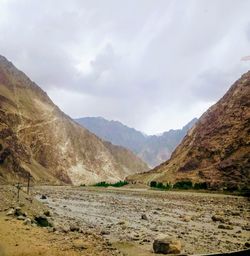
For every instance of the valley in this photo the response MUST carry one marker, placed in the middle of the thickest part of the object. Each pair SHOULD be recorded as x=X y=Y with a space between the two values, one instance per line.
x=152 y=149
x=124 y=128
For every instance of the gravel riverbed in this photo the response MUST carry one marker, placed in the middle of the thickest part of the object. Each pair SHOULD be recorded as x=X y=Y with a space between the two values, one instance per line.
x=204 y=223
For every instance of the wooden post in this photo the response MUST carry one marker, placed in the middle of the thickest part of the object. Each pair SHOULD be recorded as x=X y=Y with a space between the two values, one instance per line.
x=28 y=186
x=18 y=186
x=18 y=189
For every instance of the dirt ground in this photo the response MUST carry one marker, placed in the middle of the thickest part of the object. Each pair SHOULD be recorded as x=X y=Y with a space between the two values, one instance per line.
x=117 y=215
x=31 y=241
x=17 y=239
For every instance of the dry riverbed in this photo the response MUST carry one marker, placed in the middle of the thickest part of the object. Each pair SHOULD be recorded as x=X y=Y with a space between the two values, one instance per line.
x=130 y=219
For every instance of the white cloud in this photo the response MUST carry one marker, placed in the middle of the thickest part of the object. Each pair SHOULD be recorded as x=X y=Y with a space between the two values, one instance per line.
x=152 y=64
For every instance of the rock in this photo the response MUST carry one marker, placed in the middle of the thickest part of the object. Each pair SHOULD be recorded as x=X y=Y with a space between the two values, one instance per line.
x=42 y=221
x=167 y=246
x=135 y=238
x=246 y=227
x=21 y=217
x=217 y=217
x=193 y=218
x=63 y=229
x=105 y=232
x=11 y=212
x=18 y=211
x=43 y=197
x=222 y=226
x=186 y=218
x=121 y=223
x=235 y=213
x=158 y=209
x=144 y=217
x=124 y=227
x=74 y=228
x=27 y=221
x=155 y=229
x=247 y=244
x=47 y=213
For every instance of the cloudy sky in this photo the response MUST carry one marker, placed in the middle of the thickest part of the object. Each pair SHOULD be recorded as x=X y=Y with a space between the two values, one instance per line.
x=151 y=64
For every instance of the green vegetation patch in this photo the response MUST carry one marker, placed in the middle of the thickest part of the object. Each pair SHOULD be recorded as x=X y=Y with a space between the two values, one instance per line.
x=180 y=185
x=160 y=185
x=105 y=184
x=183 y=185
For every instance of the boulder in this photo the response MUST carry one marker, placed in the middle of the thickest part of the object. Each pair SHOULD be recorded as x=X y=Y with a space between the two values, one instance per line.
x=247 y=244
x=62 y=229
x=167 y=246
x=27 y=221
x=11 y=212
x=20 y=217
x=18 y=211
x=43 y=197
x=42 y=221
x=144 y=217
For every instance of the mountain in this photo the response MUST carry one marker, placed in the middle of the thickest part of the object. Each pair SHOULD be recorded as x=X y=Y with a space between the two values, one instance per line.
x=217 y=149
x=36 y=137
x=152 y=149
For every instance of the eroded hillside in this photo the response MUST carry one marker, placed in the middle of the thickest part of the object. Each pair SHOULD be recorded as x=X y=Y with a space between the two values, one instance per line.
x=36 y=137
x=217 y=149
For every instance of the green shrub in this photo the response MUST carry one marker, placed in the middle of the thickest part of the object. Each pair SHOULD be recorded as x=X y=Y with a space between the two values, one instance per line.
x=201 y=185
x=153 y=184
x=117 y=184
x=183 y=185
x=101 y=184
x=160 y=185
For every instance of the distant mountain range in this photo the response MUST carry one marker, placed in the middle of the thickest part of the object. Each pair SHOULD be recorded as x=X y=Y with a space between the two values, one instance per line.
x=153 y=149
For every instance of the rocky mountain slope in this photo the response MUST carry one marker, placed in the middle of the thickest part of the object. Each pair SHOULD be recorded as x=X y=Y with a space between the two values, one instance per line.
x=217 y=149
x=152 y=149
x=36 y=137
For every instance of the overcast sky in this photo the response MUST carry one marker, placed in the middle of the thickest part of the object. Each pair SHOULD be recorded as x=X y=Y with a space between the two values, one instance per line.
x=151 y=64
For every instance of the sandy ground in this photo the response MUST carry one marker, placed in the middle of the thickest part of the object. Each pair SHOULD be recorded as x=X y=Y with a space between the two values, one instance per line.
x=17 y=239
x=116 y=215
